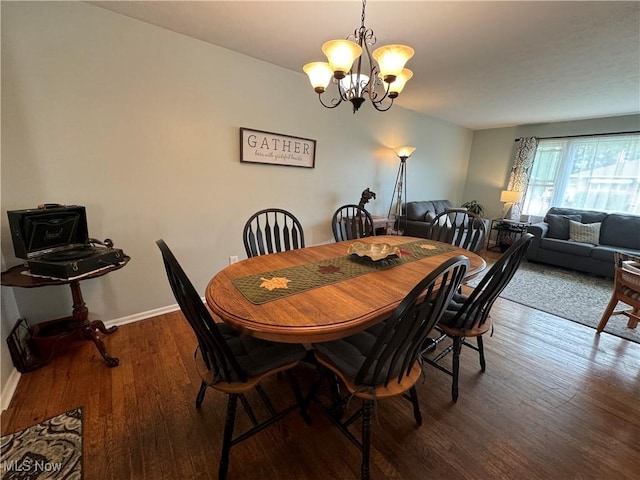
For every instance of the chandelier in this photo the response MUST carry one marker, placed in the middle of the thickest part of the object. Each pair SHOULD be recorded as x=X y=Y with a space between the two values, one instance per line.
x=381 y=80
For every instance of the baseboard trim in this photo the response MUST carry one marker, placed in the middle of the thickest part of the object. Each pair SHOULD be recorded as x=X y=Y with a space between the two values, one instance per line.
x=9 y=389
x=136 y=317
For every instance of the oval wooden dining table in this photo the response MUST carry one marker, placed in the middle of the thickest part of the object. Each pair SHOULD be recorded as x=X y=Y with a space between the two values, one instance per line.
x=322 y=293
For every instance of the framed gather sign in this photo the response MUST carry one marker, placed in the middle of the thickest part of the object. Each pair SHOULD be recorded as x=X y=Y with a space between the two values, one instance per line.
x=257 y=146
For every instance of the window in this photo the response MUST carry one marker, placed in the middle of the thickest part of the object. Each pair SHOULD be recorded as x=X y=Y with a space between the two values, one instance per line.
x=592 y=173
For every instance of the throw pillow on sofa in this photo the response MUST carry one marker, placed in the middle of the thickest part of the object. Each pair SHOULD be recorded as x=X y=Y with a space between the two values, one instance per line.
x=559 y=225
x=584 y=232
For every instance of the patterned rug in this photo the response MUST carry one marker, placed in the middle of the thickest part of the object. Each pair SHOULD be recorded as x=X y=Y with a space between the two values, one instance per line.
x=576 y=296
x=49 y=450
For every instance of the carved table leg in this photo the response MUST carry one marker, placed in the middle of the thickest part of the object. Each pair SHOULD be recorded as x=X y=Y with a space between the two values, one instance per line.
x=99 y=324
x=81 y=314
x=90 y=334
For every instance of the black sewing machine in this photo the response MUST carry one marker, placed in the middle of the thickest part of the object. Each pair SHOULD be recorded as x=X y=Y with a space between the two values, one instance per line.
x=55 y=242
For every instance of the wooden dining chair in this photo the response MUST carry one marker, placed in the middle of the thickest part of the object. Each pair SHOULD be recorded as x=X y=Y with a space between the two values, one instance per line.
x=468 y=315
x=231 y=362
x=381 y=362
x=350 y=222
x=272 y=230
x=459 y=227
x=626 y=289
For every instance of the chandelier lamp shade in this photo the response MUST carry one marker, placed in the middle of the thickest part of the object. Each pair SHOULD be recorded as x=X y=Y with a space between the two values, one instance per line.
x=357 y=73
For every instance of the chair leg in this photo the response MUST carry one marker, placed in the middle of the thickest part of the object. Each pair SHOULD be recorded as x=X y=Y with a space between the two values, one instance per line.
x=200 y=396
x=607 y=313
x=416 y=406
x=265 y=399
x=228 y=436
x=334 y=386
x=366 y=438
x=248 y=409
x=457 y=346
x=483 y=365
x=302 y=404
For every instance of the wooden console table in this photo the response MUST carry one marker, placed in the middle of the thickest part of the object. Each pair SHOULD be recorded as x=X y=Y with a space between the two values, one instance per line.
x=55 y=335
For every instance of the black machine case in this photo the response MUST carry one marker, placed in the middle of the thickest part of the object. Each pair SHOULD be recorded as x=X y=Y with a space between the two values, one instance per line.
x=55 y=242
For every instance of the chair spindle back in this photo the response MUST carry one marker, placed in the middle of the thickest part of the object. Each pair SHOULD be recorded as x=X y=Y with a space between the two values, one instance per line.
x=214 y=348
x=272 y=230
x=398 y=345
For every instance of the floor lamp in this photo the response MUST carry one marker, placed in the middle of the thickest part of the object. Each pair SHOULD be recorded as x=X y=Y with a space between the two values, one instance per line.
x=399 y=195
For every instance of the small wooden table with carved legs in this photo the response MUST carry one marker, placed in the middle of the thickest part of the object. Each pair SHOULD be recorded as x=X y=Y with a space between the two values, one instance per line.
x=55 y=335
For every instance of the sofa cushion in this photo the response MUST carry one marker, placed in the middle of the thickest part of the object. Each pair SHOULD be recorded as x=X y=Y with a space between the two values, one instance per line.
x=604 y=253
x=621 y=230
x=573 y=248
x=584 y=232
x=587 y=216
x=559 y=225
x=418 y=210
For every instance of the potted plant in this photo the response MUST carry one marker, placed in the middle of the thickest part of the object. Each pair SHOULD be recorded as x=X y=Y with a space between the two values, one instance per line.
x=474 y=206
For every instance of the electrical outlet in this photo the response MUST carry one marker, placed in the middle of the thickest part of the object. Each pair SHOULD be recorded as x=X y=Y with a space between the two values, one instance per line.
x=233 y=259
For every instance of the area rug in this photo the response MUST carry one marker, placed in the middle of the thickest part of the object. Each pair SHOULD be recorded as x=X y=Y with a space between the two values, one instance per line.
x=46 y=451
x=568 y=294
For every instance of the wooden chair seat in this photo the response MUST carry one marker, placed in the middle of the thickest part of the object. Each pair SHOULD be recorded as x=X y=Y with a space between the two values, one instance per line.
x=626 y=289
x=393 y=389
x=474 y=331
x=234 y=388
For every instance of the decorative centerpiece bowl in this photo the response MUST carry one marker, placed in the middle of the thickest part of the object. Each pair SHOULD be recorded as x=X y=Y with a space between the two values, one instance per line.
x=373 y=251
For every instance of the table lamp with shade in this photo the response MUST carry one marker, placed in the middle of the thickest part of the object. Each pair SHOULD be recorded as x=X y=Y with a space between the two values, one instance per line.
x=509 y=197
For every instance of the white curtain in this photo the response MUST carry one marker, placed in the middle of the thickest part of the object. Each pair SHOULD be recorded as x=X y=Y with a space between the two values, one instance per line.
x=521 y=170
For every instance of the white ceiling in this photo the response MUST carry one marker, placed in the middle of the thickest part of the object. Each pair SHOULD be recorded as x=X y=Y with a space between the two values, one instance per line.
x=477 y=64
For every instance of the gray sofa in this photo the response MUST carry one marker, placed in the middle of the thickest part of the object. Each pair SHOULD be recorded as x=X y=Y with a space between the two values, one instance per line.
x=417 y=218
x=552 y=245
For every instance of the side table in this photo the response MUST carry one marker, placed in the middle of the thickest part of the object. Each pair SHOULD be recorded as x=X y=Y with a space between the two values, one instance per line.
x=507 y=232
x=382 y=225
x=53 y=336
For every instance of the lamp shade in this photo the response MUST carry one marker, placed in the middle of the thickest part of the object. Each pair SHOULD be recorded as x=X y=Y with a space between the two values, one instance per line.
x=396 y=87
x=320 y=74
x=404 y=152
x=341 y=54
x=510 y=196
x=391 y=60
x=351 y=81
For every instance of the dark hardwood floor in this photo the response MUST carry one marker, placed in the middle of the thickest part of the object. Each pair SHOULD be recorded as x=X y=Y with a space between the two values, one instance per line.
x=557 y=401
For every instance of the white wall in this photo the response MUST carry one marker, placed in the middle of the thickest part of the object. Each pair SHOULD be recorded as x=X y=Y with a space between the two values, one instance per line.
x=141 y=125
x=492 y=153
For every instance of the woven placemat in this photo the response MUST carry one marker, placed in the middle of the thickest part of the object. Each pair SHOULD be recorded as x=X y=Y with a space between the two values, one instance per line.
x=275 y=284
